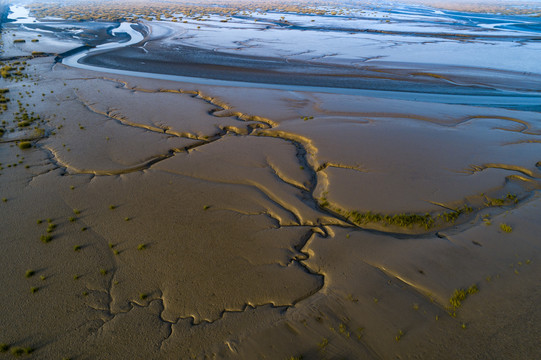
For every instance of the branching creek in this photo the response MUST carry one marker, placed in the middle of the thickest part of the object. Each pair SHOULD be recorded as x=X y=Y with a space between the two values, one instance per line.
x=307 y=159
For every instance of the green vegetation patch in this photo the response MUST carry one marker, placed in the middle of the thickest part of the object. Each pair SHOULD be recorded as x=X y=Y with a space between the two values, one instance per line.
x=460 y=295
x=403 y=220
x=506 y=228
x=25 y=145
x=409 y=220
x=46 y=239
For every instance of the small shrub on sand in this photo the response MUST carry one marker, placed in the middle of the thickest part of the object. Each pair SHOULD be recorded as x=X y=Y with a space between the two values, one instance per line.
x=25 y=145
x=506 y=228
x=51 y=227
x=17 y=351
x=460 y=295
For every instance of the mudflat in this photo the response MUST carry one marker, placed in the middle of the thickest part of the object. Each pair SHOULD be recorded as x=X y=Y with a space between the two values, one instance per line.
x=155 y=218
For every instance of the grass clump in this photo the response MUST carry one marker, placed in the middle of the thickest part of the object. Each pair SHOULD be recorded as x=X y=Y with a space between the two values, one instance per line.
x=323 y=344
x=460 y=295
x=72 y=219
x=112 y=207
x=508 y=199
x=4 y=347
x=46 y=239
x=77 y=248
x=76 y=211
x=410 y=220
x=17 y=351
x=344 y=330
x=143 y=296
x=51 y=227
x=399 y=335
x=29 y=273
x=103 y=272
x=25 y=145
x=141 y=247
x=506 y=228
x=34 y=289
x=402 y=220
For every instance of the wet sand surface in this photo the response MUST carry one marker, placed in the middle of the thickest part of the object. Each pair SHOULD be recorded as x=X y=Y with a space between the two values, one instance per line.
x=196 y=62
x=162 y=219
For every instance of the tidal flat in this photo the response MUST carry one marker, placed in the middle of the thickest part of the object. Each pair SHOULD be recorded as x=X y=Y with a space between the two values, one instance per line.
x=305 y=182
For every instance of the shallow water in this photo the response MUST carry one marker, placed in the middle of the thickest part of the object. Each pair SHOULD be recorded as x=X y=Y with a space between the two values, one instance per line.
x=20 y=15
x=501 y=98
